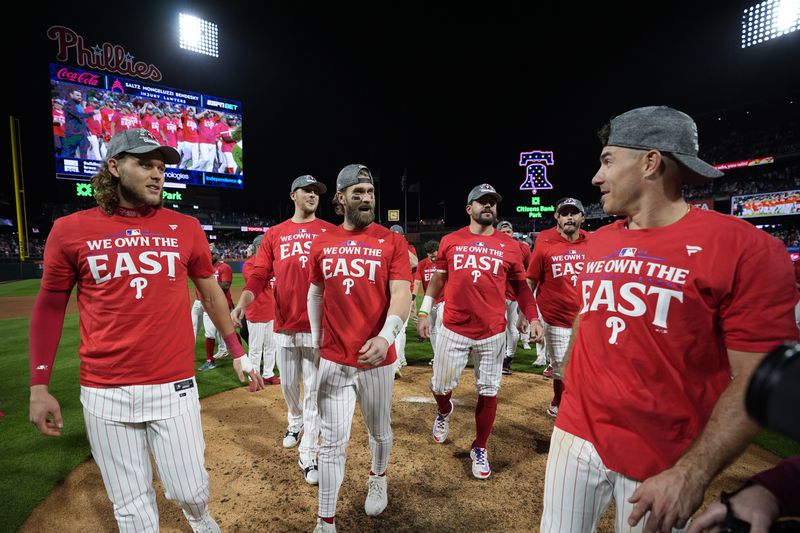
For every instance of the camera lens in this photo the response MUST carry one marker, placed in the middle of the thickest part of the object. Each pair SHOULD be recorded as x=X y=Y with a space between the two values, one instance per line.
x=773 y=394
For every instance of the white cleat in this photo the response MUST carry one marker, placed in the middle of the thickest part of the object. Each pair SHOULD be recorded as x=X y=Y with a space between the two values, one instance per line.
x=480 y=463
x=221 y=355
x=377 y=497
x=310 y=471
x=442 y=425
x=291 y=439
x=324 y=527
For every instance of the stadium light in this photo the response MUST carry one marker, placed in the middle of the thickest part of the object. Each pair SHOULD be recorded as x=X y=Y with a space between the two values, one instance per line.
x=768 y=20
x=198 y=35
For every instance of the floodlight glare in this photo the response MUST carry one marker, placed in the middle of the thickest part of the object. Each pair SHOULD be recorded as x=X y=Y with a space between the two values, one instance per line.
x=198 y=35
x=768 y=20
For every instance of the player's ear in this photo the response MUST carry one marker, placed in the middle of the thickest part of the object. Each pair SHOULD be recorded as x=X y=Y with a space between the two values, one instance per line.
x=113 y=167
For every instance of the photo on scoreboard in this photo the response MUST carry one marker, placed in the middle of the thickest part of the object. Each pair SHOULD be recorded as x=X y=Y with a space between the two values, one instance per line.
x=768 y=204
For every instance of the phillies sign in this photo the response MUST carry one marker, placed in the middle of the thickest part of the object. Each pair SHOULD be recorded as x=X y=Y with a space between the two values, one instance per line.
x=106 y=56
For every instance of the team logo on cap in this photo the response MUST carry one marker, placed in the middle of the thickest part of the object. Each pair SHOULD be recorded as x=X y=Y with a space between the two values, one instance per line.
x=487 y=188
x=146 y=136
x=310 y=178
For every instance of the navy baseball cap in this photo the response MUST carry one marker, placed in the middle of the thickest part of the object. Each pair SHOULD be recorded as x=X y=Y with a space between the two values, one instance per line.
x=566 y=202
x=349 y=176
x=140 y=141
x=484 y=189
x=308 y=181
x=661 y=128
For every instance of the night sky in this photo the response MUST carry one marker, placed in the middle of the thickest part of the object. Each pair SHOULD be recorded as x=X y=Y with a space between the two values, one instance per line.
x=451 y=96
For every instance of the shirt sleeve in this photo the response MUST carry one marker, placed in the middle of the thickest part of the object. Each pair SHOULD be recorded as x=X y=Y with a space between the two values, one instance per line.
x=441 y=258
x=400 y=267
x=782 y=481
x=200 y=260
x=316 y=275
x=60 y=268
x=225 y=273
x=262 y=267
x=536 y=264
x=420 y=272
x=758 y=313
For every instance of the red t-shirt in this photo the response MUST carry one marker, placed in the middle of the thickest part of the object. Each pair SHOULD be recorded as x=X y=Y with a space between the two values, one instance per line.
x=95 y=124
x=223 y=133
x=207 y=130
x=355 y=268
x=169 y=127
x=108 y=116
x=284 y=254
x=425 y=271
x=263 y=307
x=525 y=251
x=58 y=122
x=151 y=124
x=190 y=130
x=223 y=272
x=135 y=320
x=555 y=266
x=659 y=308
x=478 y=268
x=126 y=122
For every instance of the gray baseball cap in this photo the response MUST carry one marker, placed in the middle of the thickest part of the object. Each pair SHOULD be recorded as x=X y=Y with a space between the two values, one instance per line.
x=503 y=224
x=349 y=176
x=661 y=128
x=140 y=141
x=308 y=181
x=574 y=202
x=484 y=189
x=397 y=228
x=213 y=248
x=257 y=240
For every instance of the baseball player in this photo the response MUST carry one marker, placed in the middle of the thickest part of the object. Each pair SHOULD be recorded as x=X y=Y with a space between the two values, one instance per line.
x=190 y=149
x=283 y=253
x=512 y=309
x=130 y=259
x=223 y=273
x=558 y=259
x=358 y=301
x=400 y=342
x=425 y=271
x=477 y=261
x=260 y=322
x=678 y=306
x=207 y=139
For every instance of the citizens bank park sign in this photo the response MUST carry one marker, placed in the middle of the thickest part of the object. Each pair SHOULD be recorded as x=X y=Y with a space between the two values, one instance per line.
x=109 y=57
x=536 y=163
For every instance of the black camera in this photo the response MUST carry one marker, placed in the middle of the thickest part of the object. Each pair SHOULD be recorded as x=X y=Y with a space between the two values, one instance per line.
x=773 y=395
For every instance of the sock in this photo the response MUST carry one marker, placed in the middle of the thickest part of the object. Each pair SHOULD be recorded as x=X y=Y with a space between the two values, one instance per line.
x=371 y=473
x=443 y=401
x=210 y=349
x=558 y=389
x=485 y=411
x=329 y=520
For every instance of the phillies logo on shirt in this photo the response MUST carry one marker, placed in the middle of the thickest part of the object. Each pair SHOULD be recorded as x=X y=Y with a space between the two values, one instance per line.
x=132 y=255
x=637 y=287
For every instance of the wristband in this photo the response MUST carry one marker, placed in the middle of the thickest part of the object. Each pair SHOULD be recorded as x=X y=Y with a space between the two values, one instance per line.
x=422 y=313
x=391 y=328
x=427 y=304
x=234 y=346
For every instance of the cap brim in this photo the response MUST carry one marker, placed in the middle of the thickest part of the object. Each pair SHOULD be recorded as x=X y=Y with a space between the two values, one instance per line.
x=496 y=197
x=321 y=188
x=698 y=166
x=170 y=154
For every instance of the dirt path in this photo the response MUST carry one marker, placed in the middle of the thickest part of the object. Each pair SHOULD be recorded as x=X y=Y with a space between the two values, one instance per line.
x=257 y=486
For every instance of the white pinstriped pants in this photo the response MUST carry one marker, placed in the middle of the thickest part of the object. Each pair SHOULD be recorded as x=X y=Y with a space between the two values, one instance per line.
x=298 y=363
x=556 y=340
x=121 y=451
x=435 y=317
x=452 y=351
x=578 y=489
x=261 y=343
x=512 y=333
x=339 y=387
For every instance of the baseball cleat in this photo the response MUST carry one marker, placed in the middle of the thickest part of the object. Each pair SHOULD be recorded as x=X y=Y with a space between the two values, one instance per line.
x=291 y=439
x=221 y=354
x=310 y=471
x=324 y=527
x=208 y=365
x=274 y=380
x=480 y=463
x=540 y=361
x=526 y=346
x=548 y=372
x=377 y=497
x=442 y=424
x=552 y=410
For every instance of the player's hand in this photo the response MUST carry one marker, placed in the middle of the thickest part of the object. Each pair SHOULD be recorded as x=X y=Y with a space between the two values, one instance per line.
x=424 y=327
x=537 y=331
x=754 y=504
x=237 y=315
x=671 y=497
x=45 y=413
x=373 y=352
x=242 y=365
x=522 y=324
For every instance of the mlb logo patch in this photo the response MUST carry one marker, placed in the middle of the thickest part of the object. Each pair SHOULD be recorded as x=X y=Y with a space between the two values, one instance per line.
x=351 y=243
x=479 y=243
x=572 y=252
x=627 y=252
x=130 y=232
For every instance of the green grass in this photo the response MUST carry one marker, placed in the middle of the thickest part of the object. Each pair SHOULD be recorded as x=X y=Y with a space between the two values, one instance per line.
x=31 y=465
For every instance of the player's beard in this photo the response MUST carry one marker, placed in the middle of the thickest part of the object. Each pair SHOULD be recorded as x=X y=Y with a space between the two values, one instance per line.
x=483 y=221
x=358 y=218
x=132 y=196
x=569 y=230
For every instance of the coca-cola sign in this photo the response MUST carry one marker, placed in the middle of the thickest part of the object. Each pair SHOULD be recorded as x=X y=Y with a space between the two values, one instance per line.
x=106 y=56
x=84 y=78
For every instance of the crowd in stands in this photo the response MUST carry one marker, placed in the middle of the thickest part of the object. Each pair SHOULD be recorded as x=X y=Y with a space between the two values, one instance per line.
x=216 y=218
x=9 y=248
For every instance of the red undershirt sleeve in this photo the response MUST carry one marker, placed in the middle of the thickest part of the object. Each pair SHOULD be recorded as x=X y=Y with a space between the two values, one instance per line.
x=47 y=322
